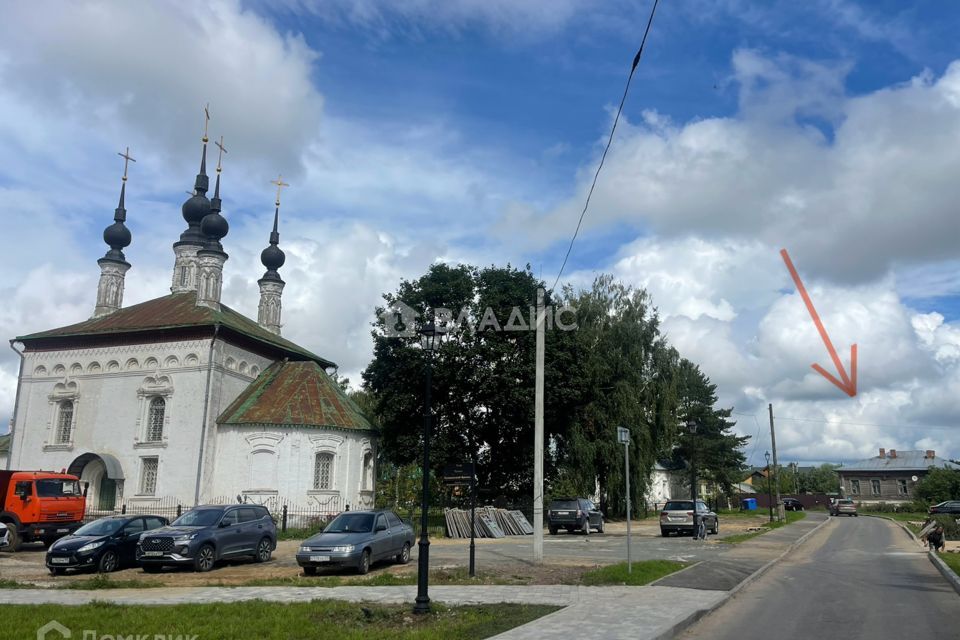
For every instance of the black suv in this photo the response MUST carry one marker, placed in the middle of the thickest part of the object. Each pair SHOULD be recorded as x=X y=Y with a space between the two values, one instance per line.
x=206 y=534
x=572 y=514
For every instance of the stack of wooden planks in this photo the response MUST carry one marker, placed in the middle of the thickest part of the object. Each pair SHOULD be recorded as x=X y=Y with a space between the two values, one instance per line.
x=490 y=523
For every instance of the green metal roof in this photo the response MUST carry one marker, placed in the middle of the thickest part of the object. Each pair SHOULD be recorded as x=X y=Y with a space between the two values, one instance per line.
x=295 y=394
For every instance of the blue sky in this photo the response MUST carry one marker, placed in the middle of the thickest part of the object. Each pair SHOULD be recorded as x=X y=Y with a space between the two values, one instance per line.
x=468 y=130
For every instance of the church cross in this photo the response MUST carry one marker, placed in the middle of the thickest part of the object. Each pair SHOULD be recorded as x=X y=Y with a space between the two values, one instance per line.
x=280 y=185
x=206 y=121
x=223 y=150
x=127 y=159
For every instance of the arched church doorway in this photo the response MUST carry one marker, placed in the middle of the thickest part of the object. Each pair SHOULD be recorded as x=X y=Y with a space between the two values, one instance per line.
x=101 y=477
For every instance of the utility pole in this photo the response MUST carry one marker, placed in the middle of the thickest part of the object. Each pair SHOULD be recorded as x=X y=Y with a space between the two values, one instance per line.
x=623 y=435
x=538 y=437
x=776 y=470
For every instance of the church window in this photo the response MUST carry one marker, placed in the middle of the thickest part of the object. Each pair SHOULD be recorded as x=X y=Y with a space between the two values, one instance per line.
x=65 y=422
x=155 y=418
x=148 y=476
x=366 y=483
x=323 y=471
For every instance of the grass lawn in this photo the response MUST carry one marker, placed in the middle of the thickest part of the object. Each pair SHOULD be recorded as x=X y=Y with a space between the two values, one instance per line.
x=318 y=620
x=792 y=516
x=386 y=579
x=952 y=560
x=643 y=572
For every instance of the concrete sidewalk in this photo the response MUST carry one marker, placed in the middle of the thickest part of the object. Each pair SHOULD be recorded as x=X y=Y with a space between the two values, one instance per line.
x=640 y=613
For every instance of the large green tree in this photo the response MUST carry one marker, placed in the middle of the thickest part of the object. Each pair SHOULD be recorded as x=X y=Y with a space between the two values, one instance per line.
x=938 y=485
x=615 y=370
x=482 y=375
x=716 y=451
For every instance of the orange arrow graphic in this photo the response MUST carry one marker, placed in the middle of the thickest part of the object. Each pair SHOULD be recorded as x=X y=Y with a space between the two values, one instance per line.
x=849 y=383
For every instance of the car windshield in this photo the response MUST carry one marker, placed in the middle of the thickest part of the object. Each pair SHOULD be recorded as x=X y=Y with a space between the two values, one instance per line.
x=350 y=522
x=57 y=488
x=198 y=518
x=563 y=504
x=679 y=505
x=104 y=527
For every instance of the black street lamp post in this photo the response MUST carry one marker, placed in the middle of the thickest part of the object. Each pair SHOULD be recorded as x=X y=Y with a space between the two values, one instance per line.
x=692 y=428
x=428 y=340
x=769 y=485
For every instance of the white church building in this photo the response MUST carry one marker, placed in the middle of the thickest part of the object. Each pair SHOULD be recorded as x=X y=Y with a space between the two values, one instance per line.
x=181 y=397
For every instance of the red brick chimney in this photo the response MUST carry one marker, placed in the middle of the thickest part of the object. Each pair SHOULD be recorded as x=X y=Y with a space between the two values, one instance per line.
x=883 y=452
x=893 y=453
x=931 y=454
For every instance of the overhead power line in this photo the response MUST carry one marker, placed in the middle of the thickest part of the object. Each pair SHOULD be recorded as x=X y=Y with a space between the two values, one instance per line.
x=616 y=119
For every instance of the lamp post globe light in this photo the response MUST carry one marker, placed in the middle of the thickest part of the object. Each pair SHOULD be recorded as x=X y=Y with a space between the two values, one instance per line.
x=769 y=486
x=429 y=341
x=692 y=429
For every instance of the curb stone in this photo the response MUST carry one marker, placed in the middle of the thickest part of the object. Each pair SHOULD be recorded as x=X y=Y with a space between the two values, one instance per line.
x=691 y=619
x=947 y=572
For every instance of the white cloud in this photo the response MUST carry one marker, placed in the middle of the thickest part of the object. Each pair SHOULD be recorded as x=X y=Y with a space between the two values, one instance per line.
x=880 y=191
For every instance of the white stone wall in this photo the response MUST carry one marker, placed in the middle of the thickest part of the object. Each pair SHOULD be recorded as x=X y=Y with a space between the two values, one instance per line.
x=111 y=388
x=260 y=462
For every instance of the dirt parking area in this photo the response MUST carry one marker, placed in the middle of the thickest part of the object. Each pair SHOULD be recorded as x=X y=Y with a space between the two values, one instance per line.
x=504 y=560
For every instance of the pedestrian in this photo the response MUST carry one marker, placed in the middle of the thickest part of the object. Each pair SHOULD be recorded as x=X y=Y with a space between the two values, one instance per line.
x=936 y=538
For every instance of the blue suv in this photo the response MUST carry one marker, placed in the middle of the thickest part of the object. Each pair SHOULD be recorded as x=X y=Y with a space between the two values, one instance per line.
x=206 y=534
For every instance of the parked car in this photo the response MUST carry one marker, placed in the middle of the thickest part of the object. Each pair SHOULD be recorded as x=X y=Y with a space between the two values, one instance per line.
x=202 y=536
x=949 y=506
x=103 y=545
x=792 y=504
x=843 y=506
x=357 y=539
x=4 y=536
x=574 y=514
x=677 y=517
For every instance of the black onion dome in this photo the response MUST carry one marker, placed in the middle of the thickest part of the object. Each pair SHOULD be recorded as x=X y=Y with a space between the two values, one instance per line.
x=196 y=208
x=272 y=257
x=215 y=225
x=117 y=236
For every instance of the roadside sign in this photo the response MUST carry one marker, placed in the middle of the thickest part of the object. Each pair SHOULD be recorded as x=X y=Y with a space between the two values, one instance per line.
x=462 y=473
x=623 y=435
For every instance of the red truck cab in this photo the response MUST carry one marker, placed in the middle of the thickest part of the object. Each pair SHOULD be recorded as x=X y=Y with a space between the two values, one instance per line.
x=40 y=505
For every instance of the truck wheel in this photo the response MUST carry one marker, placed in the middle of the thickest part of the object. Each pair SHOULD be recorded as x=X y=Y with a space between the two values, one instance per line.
x=16 y=542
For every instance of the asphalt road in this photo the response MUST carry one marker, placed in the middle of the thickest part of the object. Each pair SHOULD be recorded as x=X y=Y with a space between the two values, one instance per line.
x=573 y=549
x=857 y=578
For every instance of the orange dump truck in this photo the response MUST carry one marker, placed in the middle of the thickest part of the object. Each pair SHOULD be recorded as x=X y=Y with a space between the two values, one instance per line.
x=39 y=505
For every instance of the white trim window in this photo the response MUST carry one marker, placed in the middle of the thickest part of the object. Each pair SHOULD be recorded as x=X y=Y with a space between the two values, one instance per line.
x=148 y=476
x=155 y=417
x=366 y=477
x=323 y=471
x=65 y=410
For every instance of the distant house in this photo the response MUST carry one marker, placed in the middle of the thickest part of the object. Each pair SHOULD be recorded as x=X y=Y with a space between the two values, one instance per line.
x=890 y=476
x=670 y=480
